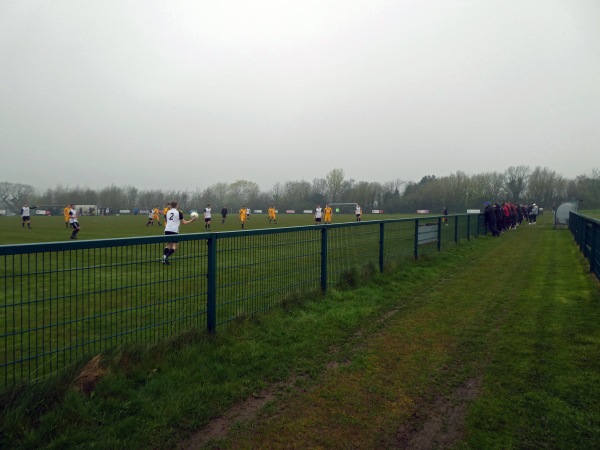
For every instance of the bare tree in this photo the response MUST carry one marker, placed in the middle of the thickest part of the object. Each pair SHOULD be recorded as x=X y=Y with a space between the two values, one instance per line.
x=452 y=191
x=335 y=184
x=487 y=187
x=546 y=187
x=586 y=189
x=276 y=193
x=296 y=194
x=516 y=181
x=243 y=192
x=15 y=195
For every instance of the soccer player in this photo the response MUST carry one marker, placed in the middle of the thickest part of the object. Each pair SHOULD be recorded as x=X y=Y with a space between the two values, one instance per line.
x=272 y=214
x=223 y=214
x=207 y=217
x=166 y=210
x=247 y=213
x=328 y=212
x=74 y=222
x=26 y=216
x=243 y=216
x=150 y=218
x=155 y=215
x=66 y=211
x=174 y=220
x=318 y=214
x=358 y=212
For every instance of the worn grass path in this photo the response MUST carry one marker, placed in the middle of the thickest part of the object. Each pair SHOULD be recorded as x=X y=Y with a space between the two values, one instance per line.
x=502 y=351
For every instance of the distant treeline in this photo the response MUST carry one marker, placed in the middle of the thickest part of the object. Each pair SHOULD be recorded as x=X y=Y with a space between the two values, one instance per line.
x=458 y=192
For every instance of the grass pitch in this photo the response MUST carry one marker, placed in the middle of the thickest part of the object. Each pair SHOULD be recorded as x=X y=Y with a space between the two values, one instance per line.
x=52 y=228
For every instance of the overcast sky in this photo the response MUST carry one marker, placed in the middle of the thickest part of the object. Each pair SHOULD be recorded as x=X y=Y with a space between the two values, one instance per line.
x=184 y=94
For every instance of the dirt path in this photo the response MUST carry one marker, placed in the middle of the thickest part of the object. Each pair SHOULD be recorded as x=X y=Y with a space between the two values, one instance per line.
x=408 y=386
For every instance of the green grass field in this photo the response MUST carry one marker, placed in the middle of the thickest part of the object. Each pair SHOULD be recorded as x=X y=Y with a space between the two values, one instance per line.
x=52 y=229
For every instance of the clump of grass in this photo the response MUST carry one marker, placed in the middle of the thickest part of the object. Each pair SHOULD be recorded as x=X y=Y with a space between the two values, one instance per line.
x=89 y=376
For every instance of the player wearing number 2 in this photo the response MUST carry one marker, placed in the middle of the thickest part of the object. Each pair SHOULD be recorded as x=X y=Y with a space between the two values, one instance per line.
x=174 y=220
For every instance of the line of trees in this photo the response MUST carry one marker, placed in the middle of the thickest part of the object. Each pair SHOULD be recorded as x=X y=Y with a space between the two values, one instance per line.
x=458 y=192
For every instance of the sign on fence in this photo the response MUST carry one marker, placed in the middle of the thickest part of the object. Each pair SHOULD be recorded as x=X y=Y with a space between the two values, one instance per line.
x=428 y=233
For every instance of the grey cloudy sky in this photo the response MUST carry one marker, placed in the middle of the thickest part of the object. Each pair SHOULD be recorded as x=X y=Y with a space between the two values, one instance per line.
x=184 y=94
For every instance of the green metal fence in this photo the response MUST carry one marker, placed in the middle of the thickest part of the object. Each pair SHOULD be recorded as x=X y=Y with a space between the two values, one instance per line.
x=586 y=232
x=62 y=302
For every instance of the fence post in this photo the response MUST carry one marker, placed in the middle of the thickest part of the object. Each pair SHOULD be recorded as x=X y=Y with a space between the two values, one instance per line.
x=439 y=236
x=455 y=229
x=593 y=247
x=468 y=227
x=211 y=291
x=381 y=236
x=416 y=238
x=324 y=259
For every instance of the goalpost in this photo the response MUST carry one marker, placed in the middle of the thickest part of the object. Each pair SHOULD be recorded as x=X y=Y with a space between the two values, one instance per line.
x=352 y=204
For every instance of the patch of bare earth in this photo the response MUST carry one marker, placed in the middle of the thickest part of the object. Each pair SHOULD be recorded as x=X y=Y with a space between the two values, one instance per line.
x=433 y=425
x=239 y=413
x=218 y=428
x=440 y=424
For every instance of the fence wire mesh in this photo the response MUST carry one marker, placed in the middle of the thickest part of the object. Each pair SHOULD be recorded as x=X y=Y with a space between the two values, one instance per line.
x=63 y=302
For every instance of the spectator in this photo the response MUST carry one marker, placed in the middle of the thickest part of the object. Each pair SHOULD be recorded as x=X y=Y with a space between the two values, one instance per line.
x=490 y=219
x=533 y=213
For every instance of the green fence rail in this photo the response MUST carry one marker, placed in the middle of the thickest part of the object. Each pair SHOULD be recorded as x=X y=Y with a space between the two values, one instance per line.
x=63 y=302
x=586 y=232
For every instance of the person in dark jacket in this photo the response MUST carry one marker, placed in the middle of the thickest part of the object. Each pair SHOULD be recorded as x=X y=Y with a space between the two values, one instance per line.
x=499 y=217
x=490 y=218
x=224 y=214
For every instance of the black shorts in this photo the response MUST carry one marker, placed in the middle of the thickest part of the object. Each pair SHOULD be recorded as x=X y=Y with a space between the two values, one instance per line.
x=26 y=218
x=75 y=225
x=169 y=233
x=317 y=219
x=207 y=219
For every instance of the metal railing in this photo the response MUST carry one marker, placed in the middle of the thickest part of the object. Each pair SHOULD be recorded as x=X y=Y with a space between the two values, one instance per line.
x=63 y=302
x=586 y=232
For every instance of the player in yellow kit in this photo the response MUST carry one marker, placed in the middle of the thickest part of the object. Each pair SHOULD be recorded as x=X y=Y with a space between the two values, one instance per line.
x=328 y=212
x=66 y=212
x=243 y=216
x=155 y=215
x=272 y=214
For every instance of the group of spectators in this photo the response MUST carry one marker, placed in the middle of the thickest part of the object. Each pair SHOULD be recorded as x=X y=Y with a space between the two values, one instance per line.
x=507 y=216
